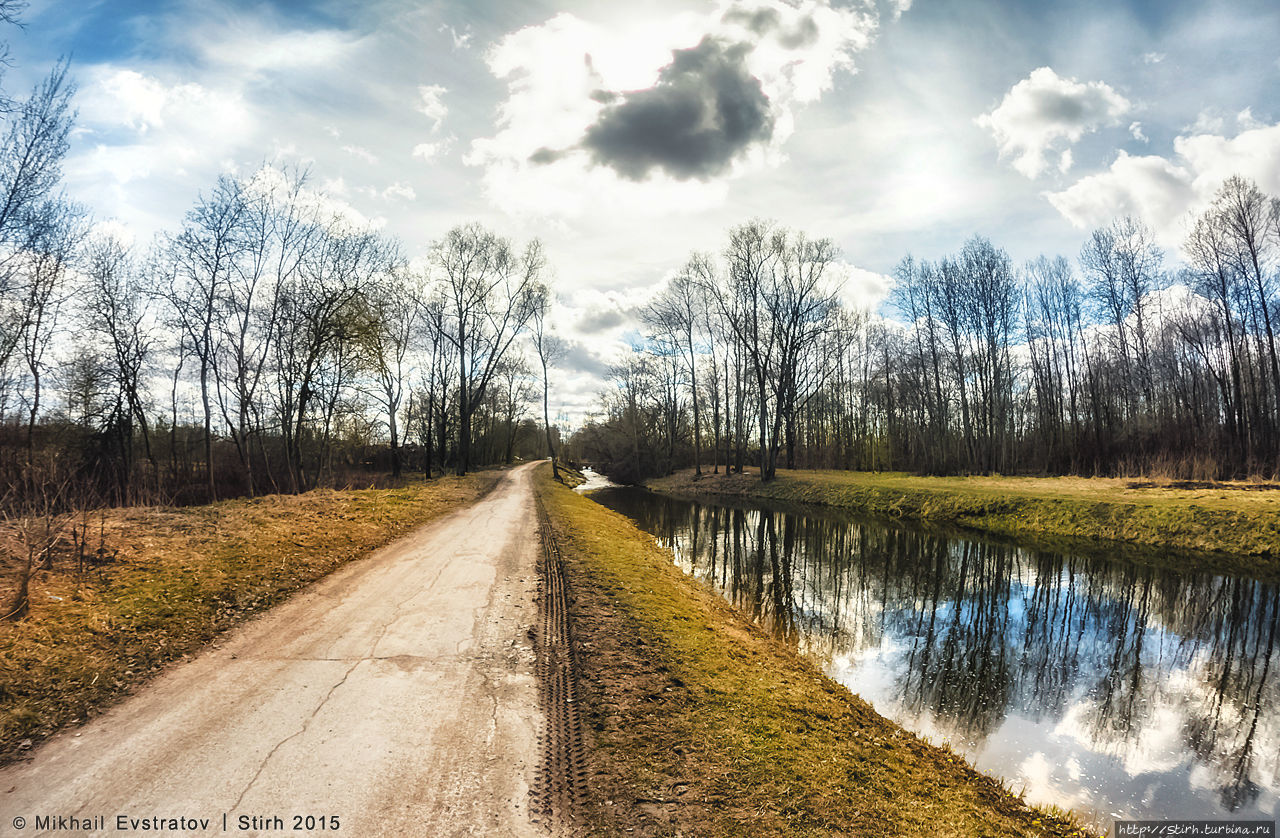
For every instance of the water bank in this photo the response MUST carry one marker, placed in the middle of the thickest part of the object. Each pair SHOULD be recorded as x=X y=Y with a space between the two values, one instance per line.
x=701 y=723
x=1225 y=527
x=1114 y=689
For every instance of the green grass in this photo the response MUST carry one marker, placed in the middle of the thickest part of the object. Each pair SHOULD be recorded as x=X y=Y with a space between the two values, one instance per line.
x=704 y=725
x=183 y=576
x=1229 y=527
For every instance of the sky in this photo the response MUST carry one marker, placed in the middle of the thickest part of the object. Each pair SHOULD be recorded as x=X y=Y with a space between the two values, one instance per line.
x=627 y=136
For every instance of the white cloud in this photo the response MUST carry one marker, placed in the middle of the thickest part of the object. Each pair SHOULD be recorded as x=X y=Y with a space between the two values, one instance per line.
x=792 y=72
x=361 y=153
x=260 y=50
x=136 y=125
x=1246 y=121
x=1065 y=161
x=1253 y=153
x=431 y=105
x=1165 y=191
x=428 y=151
x=1135 y=131
x=400 y=190
x=1150 y=187
x=592 y=314
x=552 y=71
x=899 y=7
x=1206 y=122
x=549 y=83
x=126 y=98
x=858 y=288
x=132 y=99
x=461 y=40
x=1152 y=57
x=112 y=228
x=211 y=97
x=1043 y=110
x=326 y=202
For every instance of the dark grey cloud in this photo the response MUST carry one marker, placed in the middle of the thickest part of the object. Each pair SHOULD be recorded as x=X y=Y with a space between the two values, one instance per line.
x=761 y=21
x=765 y=21
x=579 y=358
x=705 y=110
x=803 y=34
x=1062 y=106
x=599 y=320
x=546 y=155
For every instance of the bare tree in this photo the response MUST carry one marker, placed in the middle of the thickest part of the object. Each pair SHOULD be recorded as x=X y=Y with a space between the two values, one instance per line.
x=992 y=301
x=434 y=393
x=806 y=309
x=676 y=314
x=54 y=235
x=1245 y=215
x=514 y=391
x=1122 y=264
x=316 y=331
x=34 y=145
x=203 y=263
x=31 y=156
x=274 y=232
x=116 y=312
x=1054 y=343
x=490 y=296
x=395 y=306
x=1209 y=251
x=550 y=349
x=743 y=299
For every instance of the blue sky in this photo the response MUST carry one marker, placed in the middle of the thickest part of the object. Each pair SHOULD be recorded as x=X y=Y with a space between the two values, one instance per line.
x=891 y=126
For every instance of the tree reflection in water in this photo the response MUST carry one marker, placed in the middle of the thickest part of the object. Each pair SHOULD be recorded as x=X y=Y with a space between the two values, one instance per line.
x=1163 y=683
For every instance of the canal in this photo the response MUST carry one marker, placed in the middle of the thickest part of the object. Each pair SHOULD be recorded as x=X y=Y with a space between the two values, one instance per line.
x=1112 y=688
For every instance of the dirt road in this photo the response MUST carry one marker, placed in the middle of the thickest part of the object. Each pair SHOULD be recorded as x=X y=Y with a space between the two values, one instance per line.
x=397 y=696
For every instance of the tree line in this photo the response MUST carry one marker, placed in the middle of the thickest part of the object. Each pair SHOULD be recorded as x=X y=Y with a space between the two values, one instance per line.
x=1117 y=362
x=268 y=343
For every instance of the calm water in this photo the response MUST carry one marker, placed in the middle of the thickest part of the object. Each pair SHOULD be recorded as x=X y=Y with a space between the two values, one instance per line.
x=1109 y=688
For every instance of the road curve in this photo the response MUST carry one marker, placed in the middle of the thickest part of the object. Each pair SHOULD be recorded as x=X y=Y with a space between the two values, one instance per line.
x=397 y=695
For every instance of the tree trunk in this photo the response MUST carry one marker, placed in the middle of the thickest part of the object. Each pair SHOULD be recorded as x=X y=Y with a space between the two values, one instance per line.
x=464 y=403
x=395 y=443
x=546 y=420
x=765 y=476
x=430 y=434
x=697 y=422
x=208 y=427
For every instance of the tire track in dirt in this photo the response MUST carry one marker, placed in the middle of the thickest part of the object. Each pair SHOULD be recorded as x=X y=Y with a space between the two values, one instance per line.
x=560 y=785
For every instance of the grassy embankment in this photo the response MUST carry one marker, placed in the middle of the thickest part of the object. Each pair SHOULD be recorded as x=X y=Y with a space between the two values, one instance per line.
x=1232 y=527
x=181 y=577
x=701 y=724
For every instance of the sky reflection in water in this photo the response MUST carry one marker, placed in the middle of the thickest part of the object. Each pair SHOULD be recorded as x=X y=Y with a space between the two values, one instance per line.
x=1107 y=687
